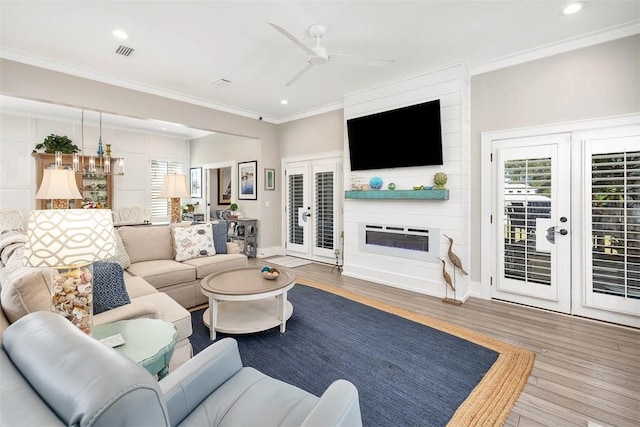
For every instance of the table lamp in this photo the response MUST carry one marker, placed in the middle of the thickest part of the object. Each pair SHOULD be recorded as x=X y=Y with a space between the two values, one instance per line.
x=58 y=185
x=174 y=187
x=69 y=241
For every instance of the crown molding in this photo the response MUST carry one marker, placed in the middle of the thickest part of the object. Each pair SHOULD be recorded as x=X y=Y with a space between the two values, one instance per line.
x=612 y=33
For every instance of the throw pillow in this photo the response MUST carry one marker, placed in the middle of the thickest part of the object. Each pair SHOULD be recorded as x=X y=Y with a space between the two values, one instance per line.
x=193 y=242
x=220 y=237
x=121 y=256
x=109 y=290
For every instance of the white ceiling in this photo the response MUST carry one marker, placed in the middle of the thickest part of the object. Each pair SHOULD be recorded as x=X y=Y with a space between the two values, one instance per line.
x=182 y=47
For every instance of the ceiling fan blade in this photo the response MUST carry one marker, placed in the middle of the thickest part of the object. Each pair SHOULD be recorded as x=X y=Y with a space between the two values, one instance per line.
x=294 y=39
x=300 y=73
x=358 y=60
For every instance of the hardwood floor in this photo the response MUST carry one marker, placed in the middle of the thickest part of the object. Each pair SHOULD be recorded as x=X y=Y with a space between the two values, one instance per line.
x=585 y=373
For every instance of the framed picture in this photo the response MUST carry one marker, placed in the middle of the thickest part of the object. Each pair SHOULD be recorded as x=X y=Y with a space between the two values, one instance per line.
x=247 y=180
x=224 y=186
x=196 y=182
x=269 y=179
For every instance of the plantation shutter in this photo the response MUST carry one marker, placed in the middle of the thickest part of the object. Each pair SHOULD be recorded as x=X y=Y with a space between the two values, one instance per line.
x=527 y=192
x=615 y=223
x=324 y=214
x=295 y=233
x=160 y=207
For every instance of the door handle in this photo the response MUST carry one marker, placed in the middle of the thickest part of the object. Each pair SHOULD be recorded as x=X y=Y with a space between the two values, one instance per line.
x=551 y=233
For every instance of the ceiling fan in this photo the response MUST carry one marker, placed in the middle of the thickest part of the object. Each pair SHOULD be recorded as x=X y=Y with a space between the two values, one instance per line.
x=318 y=55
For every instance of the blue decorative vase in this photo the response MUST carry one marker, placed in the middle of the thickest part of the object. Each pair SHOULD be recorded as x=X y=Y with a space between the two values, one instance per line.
x=375 y=183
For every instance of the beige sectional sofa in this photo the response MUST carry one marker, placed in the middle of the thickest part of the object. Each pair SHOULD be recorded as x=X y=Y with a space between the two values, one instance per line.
x=25 y=290
x=152 y=255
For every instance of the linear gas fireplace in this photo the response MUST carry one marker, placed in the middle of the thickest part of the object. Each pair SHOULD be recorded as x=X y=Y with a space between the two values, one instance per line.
x=401 y=241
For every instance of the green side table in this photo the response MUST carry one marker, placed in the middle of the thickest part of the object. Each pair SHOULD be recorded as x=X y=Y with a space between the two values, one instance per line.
x=149 y=342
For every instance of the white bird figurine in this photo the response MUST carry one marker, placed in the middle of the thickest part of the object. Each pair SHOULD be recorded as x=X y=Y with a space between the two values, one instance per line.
x=447 y=277
x=455 y=259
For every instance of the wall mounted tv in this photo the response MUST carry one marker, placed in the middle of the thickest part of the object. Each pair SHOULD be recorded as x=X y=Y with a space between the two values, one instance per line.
x=407 y=136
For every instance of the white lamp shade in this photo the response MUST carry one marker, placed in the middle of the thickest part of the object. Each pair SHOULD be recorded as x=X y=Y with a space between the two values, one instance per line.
x=174 y=186
x=67 y=237
x=58 y=184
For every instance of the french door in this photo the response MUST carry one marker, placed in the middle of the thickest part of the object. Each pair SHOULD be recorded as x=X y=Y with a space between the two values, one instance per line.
x=312 y=208
x=532 y=217
x=566 y=222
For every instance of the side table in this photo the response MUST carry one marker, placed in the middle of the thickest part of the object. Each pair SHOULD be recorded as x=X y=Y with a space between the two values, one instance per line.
x=149 y=342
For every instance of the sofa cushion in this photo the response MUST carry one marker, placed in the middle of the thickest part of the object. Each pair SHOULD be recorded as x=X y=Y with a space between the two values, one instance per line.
x=137 y=286
x=161 y=273
x=24 y=289
x=109 y=290
x=193 y=241
x=121 y=256
x=214 y=264
x=147 y=242
x=170 y=311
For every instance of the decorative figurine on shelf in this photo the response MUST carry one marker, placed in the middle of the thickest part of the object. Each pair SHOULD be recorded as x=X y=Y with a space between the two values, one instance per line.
x=375 y=183
x=391 y=186
x=440 y=179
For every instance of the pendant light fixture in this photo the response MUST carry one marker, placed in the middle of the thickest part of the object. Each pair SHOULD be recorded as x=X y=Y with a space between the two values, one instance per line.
x=106 y=160
x=77 y=167
x=91 y=168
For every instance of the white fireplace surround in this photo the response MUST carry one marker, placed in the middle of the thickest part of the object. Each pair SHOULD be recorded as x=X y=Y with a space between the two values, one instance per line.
x=419 y=243
x=423 y=274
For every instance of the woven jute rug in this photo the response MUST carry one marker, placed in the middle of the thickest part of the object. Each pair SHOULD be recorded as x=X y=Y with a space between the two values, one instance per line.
x=493 y=398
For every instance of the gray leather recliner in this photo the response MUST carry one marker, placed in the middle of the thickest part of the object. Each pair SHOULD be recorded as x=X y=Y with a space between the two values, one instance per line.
x=52 y=374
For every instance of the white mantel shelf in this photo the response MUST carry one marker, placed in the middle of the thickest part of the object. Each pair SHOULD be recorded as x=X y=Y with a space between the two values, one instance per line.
x=399 y=194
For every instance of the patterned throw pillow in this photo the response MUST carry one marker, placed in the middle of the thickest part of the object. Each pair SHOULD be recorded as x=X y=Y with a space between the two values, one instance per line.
x=193 y=242
x=220 y=237
x=109 y=290
x=121 y=256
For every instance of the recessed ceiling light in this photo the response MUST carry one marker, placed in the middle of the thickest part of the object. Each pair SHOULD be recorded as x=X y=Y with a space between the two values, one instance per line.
x=572 y=8
x=284 y=102
x=120 y=34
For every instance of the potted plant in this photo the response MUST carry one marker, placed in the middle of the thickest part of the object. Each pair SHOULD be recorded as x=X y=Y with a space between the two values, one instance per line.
x=53 y=143
x=233 y=207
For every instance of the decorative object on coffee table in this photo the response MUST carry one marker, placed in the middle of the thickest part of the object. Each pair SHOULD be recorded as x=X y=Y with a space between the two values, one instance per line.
x=440 y=179
x=375 y=183
x=69 y=241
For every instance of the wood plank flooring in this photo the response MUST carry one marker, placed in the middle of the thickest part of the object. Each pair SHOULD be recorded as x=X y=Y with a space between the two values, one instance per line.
x=586 y=372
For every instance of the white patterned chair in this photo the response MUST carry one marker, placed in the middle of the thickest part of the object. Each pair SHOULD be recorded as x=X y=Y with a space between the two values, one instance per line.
x=131 y=215
x=11 y=219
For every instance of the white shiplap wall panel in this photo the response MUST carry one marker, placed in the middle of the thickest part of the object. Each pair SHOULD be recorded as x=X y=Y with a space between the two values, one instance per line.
x=450 y=84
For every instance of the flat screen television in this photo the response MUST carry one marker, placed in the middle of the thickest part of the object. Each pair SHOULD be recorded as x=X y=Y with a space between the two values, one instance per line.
x=407 y=136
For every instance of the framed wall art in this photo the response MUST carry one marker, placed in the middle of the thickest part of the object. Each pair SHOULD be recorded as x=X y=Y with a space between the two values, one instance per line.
x=224 y=186
x=196 y=183
x=269 y=179
x=247 y=180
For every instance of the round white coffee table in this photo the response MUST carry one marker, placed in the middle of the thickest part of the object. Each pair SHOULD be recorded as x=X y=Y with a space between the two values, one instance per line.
x=241 y=301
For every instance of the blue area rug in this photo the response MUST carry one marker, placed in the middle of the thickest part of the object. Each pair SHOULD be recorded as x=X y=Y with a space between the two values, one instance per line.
x=407 y=374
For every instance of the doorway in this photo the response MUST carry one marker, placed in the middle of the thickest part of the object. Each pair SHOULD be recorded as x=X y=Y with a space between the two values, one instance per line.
x=565 y=222
x=312 y=208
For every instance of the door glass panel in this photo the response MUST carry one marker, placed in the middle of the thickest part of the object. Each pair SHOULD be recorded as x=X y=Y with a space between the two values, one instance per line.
x=295 y=233
x=615 y=224
x=527 y=197
x=324 y=214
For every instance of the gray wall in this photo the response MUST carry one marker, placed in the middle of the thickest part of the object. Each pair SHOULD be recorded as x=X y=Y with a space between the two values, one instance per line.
x=312 y=135
x=597 y=81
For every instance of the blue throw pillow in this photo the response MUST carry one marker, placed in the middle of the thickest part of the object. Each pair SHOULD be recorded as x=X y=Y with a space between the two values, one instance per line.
x=109 y=290
x=220 y=237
